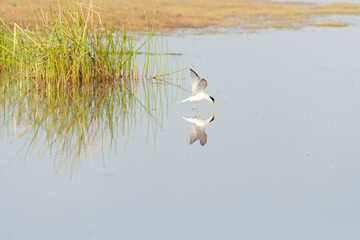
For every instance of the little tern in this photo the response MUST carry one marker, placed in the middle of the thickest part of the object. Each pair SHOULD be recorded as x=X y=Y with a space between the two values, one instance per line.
x=198 y=90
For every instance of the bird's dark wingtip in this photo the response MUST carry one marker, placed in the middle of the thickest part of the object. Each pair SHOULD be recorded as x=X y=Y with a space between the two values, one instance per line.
x=192 y=71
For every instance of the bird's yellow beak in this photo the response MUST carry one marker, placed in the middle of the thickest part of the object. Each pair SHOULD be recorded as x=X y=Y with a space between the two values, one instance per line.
x=214 y=104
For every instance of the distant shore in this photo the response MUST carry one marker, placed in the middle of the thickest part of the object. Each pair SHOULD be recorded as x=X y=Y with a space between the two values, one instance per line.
x=166 y=16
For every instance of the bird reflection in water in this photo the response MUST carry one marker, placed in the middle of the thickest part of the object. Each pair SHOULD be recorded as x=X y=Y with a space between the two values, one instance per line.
x=198 y=128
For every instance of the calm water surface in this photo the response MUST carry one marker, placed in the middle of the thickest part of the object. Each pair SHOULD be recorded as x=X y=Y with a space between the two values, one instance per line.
x=282 y=158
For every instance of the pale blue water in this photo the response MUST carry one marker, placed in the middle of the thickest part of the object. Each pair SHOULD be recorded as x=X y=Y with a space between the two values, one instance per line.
x=281 y=159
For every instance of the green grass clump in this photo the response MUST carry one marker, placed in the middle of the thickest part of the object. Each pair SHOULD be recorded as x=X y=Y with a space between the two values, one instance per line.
x=68 y=45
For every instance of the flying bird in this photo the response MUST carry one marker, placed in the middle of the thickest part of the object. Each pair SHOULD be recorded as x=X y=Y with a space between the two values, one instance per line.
x=198 y=90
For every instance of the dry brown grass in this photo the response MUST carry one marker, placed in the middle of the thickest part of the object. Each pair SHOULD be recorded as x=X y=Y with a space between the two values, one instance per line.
x=330 y=24
x=168 y=15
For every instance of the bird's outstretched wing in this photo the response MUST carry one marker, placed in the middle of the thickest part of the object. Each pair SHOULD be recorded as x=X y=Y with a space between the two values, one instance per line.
x=198 y=84
x=198 y=133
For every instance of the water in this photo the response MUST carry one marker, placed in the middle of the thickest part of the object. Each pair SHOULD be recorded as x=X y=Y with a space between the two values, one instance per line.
x=281 y=159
